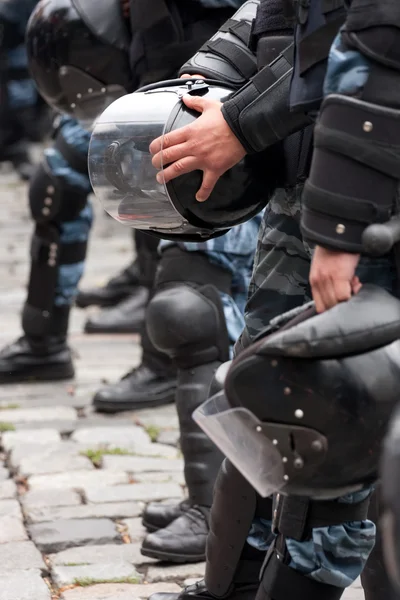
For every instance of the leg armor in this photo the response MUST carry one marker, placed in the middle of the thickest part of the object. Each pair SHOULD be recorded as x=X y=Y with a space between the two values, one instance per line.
x=374 y=578
x=294 y=518
x=59 y=242
x=232 y=565
x=188 y=324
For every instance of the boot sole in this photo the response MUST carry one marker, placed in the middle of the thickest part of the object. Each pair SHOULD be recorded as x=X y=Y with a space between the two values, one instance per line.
x=106 y=303
x=110 y=330
x=113 y=407
x=172 y=557
x=55 y=373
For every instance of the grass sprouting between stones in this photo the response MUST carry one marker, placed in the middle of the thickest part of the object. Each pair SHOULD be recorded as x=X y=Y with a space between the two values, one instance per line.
x=6 y=427
x=10 y=406
x=86 y=581
x=96 y=455
x=153 y=432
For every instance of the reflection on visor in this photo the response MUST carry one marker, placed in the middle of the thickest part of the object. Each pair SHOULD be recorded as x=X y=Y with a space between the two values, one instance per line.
x=237 y=433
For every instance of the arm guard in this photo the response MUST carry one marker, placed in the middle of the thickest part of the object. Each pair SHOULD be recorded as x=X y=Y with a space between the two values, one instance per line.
x=354 y=174
x=227 y=56
x=259 y=113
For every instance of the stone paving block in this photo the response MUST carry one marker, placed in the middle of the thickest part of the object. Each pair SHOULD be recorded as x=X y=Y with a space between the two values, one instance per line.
x=11 y=439
x=62 y=426
x=54 y=537
x=24 y=585
x=111 y=435
x=49 y=498
x=163 y=417
x=12 y=530
x=139 y=464
x=8 y=489
x=91 y=555
x=100 y=573
x=111 y=591
x=10 y=508
x=169 y=436
x=77 y=480
x=20 y=555
x=175 y=572
x=136 y=531
x=57 y=463
x=4 y=474
x=113 y=510
x=40 y=415
x=163 y=477
x=157 y=450
x=42 y=451
x=146 y=492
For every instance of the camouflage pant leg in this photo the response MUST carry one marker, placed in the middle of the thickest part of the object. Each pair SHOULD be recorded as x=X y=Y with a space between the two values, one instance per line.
x=234 y=252
x=335 y=555
x=281 y=265
x=76 y=230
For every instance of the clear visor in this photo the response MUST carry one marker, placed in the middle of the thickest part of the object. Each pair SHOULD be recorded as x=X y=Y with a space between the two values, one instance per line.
x=120 y=167
x=238 y=434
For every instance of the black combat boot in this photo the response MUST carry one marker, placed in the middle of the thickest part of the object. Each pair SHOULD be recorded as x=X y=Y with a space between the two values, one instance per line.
x=125 y=317
x=120 y=287
x=46 y=358
x=158 y=515
x=146 y=386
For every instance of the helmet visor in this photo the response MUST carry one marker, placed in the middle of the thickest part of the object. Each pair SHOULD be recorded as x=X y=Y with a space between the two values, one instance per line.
x=238 y=434
x=120 y=166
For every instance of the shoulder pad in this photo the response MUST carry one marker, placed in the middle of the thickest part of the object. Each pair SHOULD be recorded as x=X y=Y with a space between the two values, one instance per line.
x=226 y=56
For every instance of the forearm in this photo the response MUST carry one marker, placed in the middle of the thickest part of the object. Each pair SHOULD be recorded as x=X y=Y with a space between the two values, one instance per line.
x=259 y=113
x=354 y=175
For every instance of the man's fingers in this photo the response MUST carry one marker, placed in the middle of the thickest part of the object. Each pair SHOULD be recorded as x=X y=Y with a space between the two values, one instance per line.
x=196 y=103
x=342 y=290
x=185 y=165
x=356 y=285
x=169 y=155
x=319 y=303
x=187 y=76
x=169 y=139
x=210 y=178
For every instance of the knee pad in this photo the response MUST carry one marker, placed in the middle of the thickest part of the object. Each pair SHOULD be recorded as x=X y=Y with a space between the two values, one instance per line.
x=52 y=199
x=188 y=324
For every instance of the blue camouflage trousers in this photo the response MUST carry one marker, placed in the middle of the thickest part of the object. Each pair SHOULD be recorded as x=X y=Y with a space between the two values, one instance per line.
x=72 y=183
x=334 y=555
x=233 y=252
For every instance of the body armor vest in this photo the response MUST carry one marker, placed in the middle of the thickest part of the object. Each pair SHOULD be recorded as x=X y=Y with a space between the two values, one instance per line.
x=317 y=24
x=166 y=33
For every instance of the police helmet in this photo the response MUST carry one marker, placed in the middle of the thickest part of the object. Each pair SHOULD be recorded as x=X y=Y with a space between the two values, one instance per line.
x=78 y=55
x=306 y=407
x=124 y=179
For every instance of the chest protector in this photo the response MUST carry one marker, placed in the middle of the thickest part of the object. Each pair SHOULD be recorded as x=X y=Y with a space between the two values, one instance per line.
x=317 y=24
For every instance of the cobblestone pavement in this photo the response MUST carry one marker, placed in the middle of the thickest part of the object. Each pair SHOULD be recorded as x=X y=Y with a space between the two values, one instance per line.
x=73 y=483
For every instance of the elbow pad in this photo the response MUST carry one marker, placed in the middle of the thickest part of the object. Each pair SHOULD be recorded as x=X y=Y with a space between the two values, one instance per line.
x=354 y=174
x=259 y=114
x=227 y=56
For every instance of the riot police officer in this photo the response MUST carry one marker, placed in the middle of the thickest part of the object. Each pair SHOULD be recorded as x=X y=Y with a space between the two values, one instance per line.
x=336 y=210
